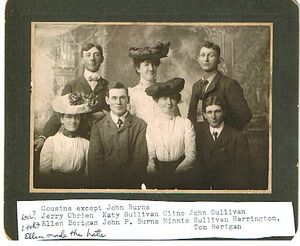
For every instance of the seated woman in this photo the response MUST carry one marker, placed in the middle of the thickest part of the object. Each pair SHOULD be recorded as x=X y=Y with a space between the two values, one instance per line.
x=63 y=159
x=170 y=139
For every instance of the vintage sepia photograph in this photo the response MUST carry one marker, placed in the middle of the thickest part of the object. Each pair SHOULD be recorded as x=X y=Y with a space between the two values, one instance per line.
x=151 y=107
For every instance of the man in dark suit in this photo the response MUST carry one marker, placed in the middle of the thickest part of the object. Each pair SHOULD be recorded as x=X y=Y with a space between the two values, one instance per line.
x=118 y=153
x=214 y=83
x=90 y=83
x=223 y=153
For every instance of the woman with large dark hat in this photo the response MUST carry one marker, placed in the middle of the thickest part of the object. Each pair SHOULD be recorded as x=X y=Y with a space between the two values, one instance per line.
x=146 y=61
x=170 y=139
x=63 y=159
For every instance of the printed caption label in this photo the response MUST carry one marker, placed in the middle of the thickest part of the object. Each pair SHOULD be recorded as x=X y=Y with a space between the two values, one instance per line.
x=133 y=219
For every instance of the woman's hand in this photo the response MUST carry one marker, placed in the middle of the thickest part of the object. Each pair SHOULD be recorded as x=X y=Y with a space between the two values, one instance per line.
x=183 y=167
x=38 y=144
x=151 y=168
x=98 y=115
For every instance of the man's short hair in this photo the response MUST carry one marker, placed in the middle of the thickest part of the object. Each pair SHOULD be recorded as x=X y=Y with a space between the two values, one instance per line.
x=213 y=100
x=116 y=85
x=211 y=45
x=88 y=46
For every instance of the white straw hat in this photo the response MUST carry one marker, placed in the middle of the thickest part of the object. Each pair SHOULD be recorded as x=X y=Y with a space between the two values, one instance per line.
x=75 y=103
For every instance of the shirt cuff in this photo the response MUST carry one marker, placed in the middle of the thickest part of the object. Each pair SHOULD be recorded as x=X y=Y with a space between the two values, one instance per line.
x=41 y=137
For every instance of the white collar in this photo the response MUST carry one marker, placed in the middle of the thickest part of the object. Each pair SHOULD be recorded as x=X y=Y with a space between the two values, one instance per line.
x=210 y=78
x=145 y=83
x=219 y=129
x=115 y=117
x=162 y=117
x=88 y=73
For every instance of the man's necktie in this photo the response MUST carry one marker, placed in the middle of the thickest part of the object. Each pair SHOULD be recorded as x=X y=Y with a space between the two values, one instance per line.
x=215 y=134
x=93 y=81
x=203 y=85
x=119 y=123
x=93 y=77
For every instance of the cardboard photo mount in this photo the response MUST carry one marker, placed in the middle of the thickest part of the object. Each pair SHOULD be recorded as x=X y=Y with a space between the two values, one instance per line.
x=18 y=85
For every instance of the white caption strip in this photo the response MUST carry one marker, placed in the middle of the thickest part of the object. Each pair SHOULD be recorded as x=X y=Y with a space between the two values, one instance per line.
x=124 y=219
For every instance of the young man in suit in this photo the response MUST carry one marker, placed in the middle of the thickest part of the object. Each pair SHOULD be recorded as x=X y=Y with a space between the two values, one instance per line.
x=214 y=83
x=90 y=83
x=223 y=153
x=118 y=151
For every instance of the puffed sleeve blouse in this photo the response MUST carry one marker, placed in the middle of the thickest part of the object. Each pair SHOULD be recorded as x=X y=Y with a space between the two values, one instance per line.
x=170 y=139
x=64 y=155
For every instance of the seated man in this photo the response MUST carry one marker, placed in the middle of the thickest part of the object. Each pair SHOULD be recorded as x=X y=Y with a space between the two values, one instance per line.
x=223 y=153
x=118 y=151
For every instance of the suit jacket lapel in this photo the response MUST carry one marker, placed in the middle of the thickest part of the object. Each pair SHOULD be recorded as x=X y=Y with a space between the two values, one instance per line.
x=223 y=137
x=214 y=83
x=100 y=85
x=198 y=87
x=208 y=135
x=113 y=127
x=127 y=123
x=85 y=85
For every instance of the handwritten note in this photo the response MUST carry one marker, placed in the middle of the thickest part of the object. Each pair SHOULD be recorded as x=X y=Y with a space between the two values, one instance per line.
x=126 y=219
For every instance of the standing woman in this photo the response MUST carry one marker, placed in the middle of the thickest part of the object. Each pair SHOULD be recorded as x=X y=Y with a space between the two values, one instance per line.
x=146 y=61
x=170 y=139
x=63 y=160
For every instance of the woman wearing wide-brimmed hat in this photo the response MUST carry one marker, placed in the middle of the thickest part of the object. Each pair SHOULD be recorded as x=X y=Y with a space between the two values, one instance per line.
x=146 y=61
x=170 y=139
x=63 y=160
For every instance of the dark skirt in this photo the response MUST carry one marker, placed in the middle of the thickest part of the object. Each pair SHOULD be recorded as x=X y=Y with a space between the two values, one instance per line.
x=166 y=178
x=57 y=180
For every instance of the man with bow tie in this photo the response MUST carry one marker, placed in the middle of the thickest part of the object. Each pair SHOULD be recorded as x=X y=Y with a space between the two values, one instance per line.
x=214 y=83
x=89 y=83
x=223 y=154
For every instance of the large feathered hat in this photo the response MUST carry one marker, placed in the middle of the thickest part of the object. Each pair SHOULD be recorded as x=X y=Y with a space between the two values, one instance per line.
x=157 y=51
x=74 y=103
x=171 y=87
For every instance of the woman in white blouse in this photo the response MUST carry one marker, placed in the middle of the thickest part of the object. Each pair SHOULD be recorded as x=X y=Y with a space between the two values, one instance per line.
x=170 y=138
x=146 y=61
x=63 y=159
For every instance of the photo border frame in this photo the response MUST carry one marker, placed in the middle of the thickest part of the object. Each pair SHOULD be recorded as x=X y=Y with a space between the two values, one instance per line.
x=191 y=24
x=19 y=15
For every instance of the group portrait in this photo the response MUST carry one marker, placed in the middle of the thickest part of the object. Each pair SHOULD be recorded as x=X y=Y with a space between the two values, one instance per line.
x=162 y=107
